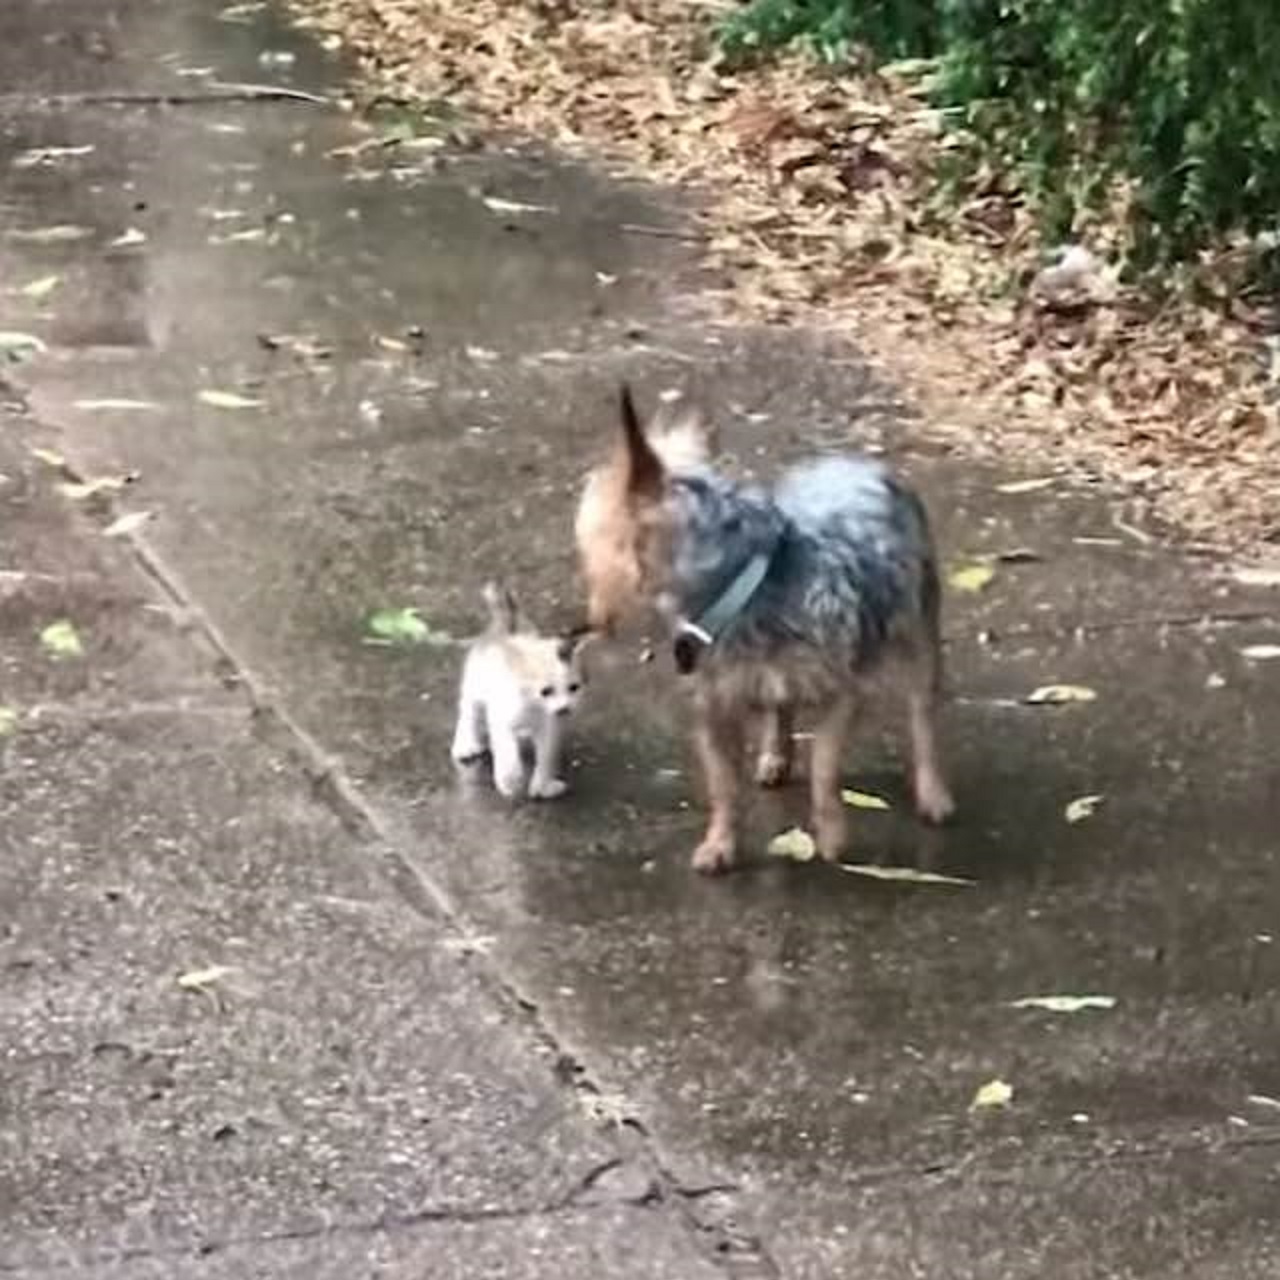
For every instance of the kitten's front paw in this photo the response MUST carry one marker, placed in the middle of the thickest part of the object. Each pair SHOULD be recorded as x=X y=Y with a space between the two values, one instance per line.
x=548 y=788
x=467 y=753
x=510 y=782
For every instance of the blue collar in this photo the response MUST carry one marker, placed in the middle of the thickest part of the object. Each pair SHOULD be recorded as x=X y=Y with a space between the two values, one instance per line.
x=692 y=637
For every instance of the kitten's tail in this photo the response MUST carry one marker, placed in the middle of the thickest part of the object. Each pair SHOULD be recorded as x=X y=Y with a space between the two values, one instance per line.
x=505 y=618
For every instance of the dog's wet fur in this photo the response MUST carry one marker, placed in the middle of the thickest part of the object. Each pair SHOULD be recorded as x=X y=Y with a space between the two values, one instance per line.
x=852 y=587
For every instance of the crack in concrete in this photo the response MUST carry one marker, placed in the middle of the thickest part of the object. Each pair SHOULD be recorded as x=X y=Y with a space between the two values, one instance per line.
x=217 y=94
x=570 y=1202
x=71 y=712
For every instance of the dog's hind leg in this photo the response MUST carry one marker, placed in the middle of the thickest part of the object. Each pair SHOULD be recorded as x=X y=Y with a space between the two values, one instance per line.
x=719 y=740
x=830 y=825
x=773 y=765
x=924 y=693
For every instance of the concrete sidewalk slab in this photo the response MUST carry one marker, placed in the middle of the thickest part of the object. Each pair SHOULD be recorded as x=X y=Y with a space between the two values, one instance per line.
x=224 y=1033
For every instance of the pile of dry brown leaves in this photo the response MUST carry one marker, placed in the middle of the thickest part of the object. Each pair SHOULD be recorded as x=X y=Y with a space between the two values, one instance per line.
x=818 y=203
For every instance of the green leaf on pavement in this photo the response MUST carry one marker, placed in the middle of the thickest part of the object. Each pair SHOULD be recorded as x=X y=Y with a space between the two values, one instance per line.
x=864 y=800
x=402 y=627
x=972 y=578
x=61 y=640
x=995 y=1093
x=795 y=844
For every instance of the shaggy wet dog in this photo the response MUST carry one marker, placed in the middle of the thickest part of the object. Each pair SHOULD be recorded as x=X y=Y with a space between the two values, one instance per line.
x=780 y=602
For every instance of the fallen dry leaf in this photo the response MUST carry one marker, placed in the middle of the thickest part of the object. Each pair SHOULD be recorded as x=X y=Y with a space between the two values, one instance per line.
x=1053 y=695
x=199 y=979
x=902 y=875
x=35 y=157
x=1260 y=652
x=78 y=490
x=995 y=1093
x=1064 y=1004
x=795 y=844
x=1082 y=807
x=498 y=205
x=63 y=233
x=41 y=288
x=110 y=405
x=128 y=238
x=49 y=457
x=126 y=524
x=229 y=400
x=8 y=721
x=971 y=577
x=1025 y=486
x=250 y=235
x=1255 y=576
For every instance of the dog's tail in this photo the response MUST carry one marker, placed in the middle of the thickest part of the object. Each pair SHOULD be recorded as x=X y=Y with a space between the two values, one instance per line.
x=505 y=618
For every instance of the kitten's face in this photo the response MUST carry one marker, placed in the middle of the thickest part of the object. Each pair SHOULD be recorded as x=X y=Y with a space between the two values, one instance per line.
x=560 y=676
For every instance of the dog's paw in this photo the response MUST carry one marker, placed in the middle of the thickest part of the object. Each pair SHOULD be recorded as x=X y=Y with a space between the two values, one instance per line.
x=714 y=856
x=510 y=782
x=548 y=788
x=831 y=836
x=933 y=800
x=773 y=769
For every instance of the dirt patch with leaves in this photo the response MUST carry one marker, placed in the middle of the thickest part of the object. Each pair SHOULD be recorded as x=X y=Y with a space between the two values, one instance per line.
x=819 y=204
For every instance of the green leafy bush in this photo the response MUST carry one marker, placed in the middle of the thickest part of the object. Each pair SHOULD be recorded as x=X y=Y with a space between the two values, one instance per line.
x=895 y=28
x=1168 y=110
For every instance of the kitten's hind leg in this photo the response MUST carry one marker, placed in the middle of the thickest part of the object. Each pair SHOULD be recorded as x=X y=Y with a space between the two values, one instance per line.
x=546 y=783
x=470 y=739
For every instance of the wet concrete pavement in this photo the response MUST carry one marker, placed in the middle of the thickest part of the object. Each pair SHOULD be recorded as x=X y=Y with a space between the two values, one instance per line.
x=468 y=1039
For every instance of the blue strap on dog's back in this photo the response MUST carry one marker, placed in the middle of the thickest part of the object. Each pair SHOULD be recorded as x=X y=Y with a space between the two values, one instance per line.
x=736 y=596
x=700 y=634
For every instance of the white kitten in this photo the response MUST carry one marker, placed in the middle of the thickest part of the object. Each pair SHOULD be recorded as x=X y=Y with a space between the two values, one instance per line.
x=517 y=686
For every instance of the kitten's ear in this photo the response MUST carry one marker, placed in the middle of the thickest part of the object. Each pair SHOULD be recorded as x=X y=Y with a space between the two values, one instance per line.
x=642 y=466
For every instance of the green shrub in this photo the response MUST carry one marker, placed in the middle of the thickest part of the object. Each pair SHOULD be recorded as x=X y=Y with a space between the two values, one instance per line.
x=893 y=28
x=1175 y=101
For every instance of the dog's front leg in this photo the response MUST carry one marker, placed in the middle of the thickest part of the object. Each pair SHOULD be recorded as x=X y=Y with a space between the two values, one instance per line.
x=718 y=737
x=773 y=765
x=829 y=821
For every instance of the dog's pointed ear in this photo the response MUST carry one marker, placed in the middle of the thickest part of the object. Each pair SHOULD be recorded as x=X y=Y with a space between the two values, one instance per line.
x=571 y=644
x=643 y=467
x=684 y=434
